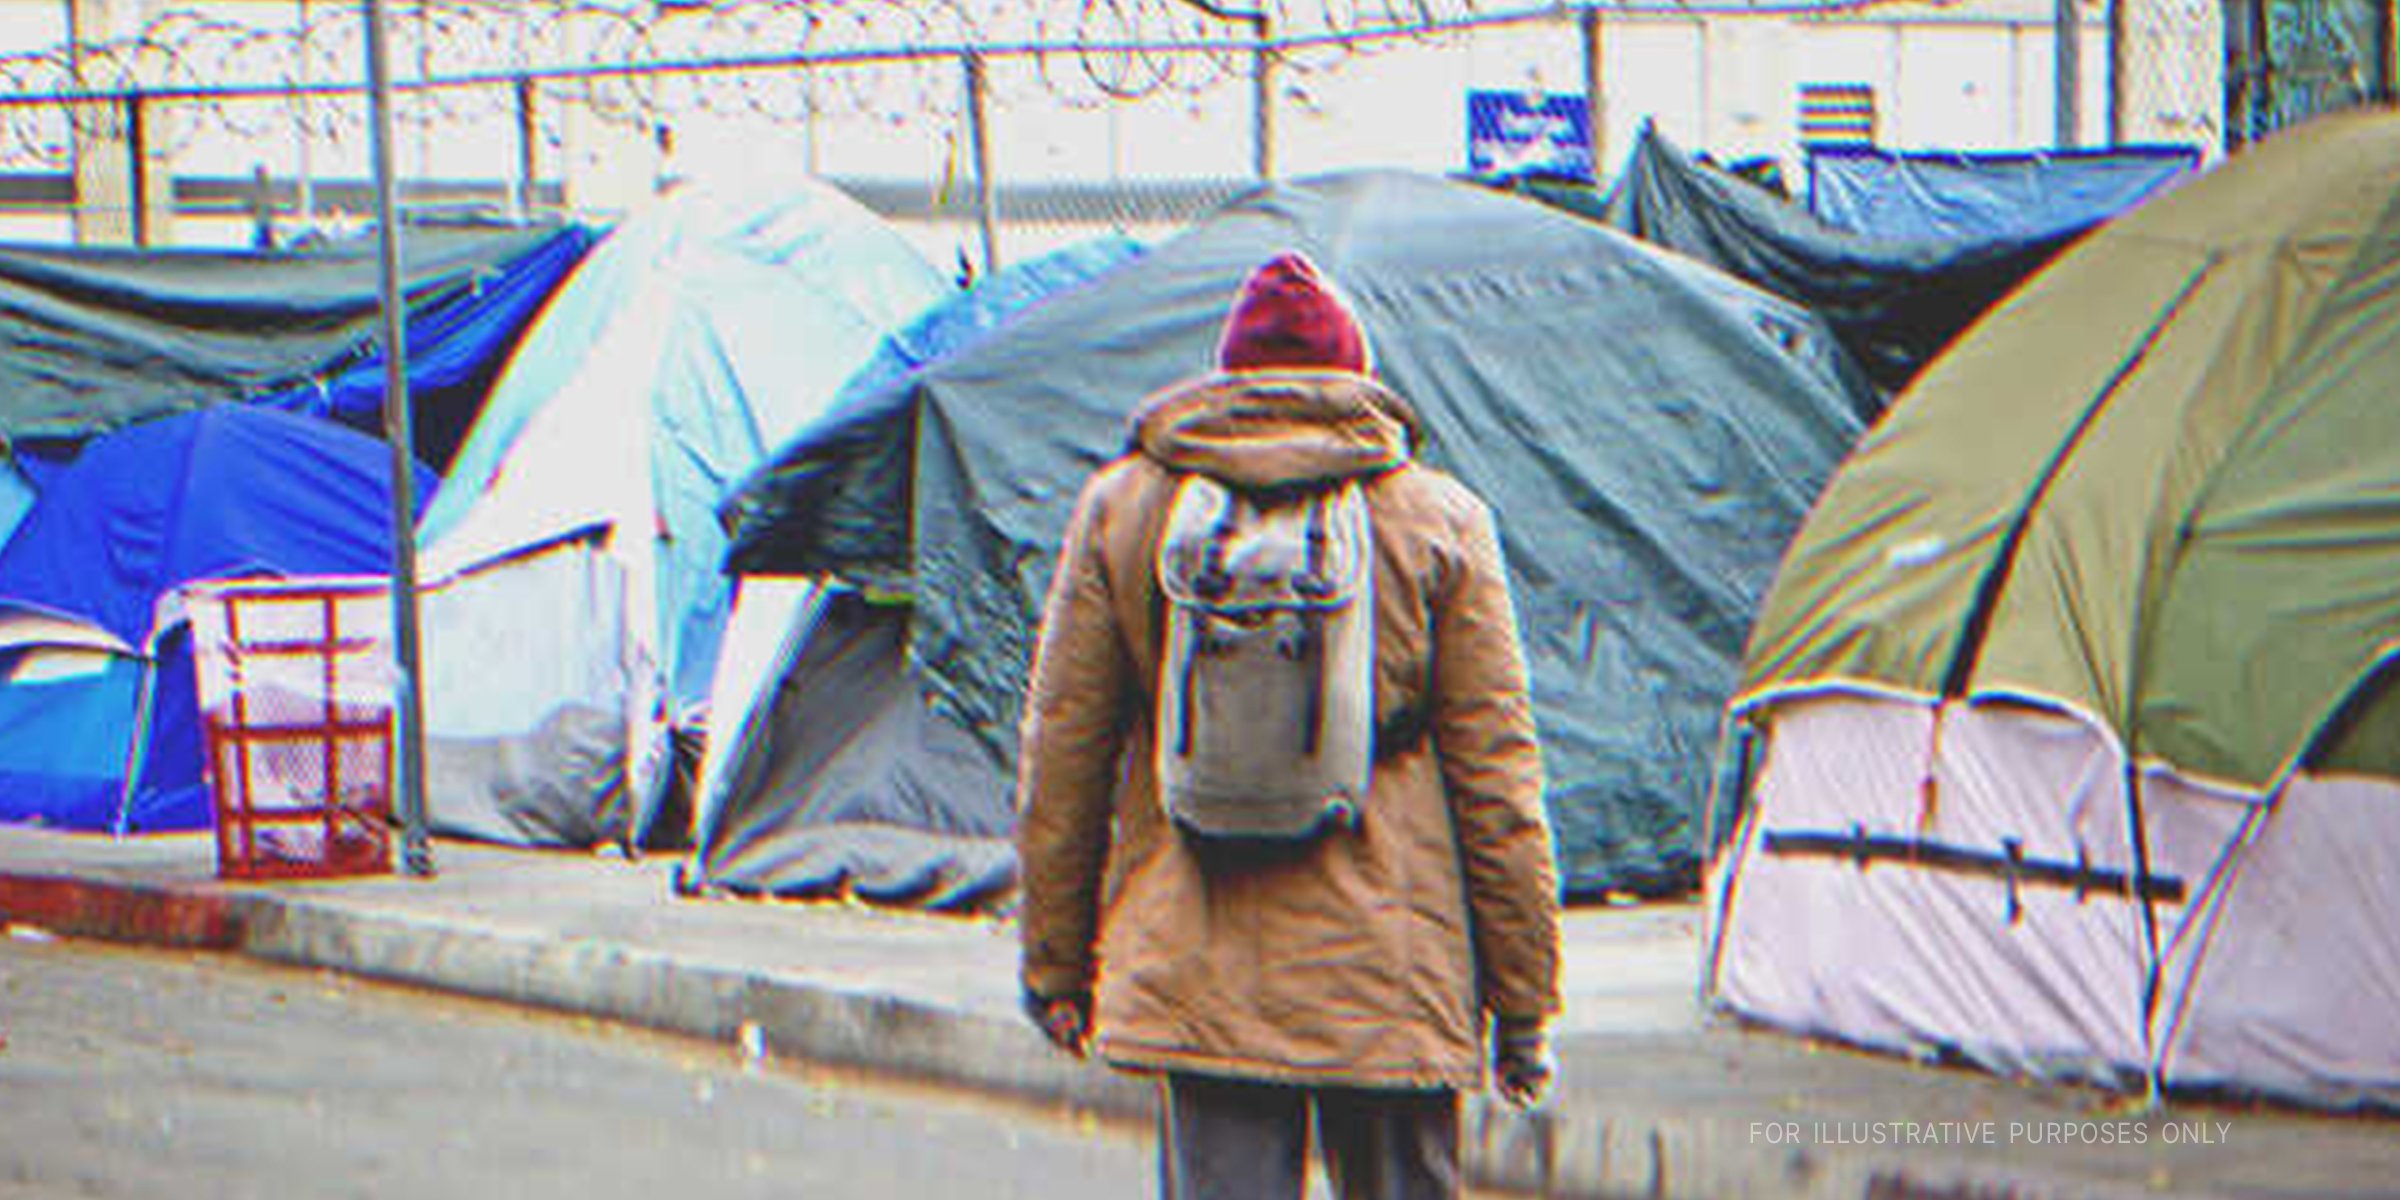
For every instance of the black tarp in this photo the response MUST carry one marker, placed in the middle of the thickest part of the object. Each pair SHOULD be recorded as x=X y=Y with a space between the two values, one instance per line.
x=1895 y=303
x=1648 y=430
x=92 y=339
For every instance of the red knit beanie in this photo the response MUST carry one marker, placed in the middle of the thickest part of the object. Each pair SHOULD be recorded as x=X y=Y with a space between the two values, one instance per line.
x=1288 y=316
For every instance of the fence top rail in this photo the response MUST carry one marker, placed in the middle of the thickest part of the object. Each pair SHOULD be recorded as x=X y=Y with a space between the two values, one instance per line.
x=1279 y=44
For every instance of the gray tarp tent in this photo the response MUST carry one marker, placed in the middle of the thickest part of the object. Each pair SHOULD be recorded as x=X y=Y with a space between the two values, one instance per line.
x=1649 y=432
x=1893 y=301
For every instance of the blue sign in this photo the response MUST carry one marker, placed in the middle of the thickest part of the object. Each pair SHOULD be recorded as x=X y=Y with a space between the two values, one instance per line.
x=1518 y=133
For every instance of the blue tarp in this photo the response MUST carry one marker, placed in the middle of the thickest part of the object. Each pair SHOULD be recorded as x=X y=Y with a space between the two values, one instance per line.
x=1952 y=196
x=456 y=347
x=226 y=491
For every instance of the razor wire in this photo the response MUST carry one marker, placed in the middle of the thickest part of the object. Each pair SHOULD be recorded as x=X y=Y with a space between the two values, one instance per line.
x=1098 y=52
x=892 y=61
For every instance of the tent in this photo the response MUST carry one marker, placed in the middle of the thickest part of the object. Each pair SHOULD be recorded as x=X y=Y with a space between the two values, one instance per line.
x=2070 y=729
x=575 y=544
x=1894 y=300
x=98 y=724
x=95 y=339
x=825 y=771
x=1648 y=430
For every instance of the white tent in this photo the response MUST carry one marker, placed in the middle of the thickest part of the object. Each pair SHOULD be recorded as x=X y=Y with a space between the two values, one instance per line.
x=575 y=548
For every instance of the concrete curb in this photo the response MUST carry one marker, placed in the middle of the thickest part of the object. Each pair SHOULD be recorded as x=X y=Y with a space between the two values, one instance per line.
x=1627 y=1150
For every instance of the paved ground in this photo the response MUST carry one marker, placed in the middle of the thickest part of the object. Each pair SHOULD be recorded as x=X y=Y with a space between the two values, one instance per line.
x=174 y=1075
x=1657 y=1099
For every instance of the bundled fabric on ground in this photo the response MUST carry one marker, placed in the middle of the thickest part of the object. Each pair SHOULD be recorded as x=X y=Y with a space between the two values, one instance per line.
x=826 y=772
x=576 y=544
x=98 y=723
x=1895 y=302
x=2069 y=727
x=1647 y=429
x=1973 y=196
x=95 y=339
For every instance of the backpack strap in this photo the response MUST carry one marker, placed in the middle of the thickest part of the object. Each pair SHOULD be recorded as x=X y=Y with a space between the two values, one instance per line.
x=1313 y=585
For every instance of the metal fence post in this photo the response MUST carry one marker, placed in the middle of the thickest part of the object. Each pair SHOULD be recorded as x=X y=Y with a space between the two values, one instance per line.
x=528 y=161
x=303 y=166
x=2066 y=27
x=1595 y=103
x=137 y=164
x=979 y=136
x=408 y=711
x=2118 y=61
x=1262 y=95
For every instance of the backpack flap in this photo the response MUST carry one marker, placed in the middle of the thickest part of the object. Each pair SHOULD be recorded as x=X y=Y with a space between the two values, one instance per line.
x=1266 y=689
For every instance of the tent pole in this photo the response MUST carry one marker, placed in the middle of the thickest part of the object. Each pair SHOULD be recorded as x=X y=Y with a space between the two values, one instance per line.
x=137 y=747
x=2137 y=837
x=408 y=715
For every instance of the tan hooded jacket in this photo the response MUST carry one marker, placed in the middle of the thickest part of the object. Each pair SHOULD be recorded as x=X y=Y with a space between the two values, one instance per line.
x=1375 y=959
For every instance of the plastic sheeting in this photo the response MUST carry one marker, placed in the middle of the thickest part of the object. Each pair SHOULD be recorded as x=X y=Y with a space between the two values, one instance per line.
x=1649 y=431
x=1894 y=302
x=223 y=492
x=698 y=336
x=1957 y=196
x=93 y=339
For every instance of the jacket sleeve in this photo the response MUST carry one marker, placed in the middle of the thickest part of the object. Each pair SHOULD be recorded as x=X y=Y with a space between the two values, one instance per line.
x=1492 y=770
x=1068 y=744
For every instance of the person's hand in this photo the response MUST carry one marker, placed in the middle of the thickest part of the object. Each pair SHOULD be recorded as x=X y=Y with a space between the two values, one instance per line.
x=1065 y=1020
x=1523 y=1065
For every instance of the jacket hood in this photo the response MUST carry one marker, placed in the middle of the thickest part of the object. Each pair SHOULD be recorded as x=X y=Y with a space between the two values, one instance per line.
x=1270 y=429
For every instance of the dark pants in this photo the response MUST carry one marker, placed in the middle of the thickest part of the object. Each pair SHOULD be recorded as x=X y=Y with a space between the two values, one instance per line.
x=1224 y=1139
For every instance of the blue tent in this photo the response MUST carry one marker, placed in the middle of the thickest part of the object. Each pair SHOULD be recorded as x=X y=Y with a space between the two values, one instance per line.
x=92 y=674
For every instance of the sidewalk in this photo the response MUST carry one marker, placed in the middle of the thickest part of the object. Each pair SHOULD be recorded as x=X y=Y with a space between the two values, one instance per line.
x=1656 y=1101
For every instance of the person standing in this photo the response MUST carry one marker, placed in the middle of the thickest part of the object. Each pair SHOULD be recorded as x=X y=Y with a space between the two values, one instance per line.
x=1365 y=963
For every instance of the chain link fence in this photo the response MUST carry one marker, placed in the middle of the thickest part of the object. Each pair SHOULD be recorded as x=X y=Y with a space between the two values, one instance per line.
x=240 y=120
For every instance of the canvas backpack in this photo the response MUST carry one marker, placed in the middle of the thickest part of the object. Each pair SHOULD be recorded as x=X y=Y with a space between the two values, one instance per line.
x=1266 y=682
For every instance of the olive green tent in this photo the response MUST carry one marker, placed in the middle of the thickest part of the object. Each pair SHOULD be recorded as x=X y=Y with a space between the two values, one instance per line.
x=2078 y=749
